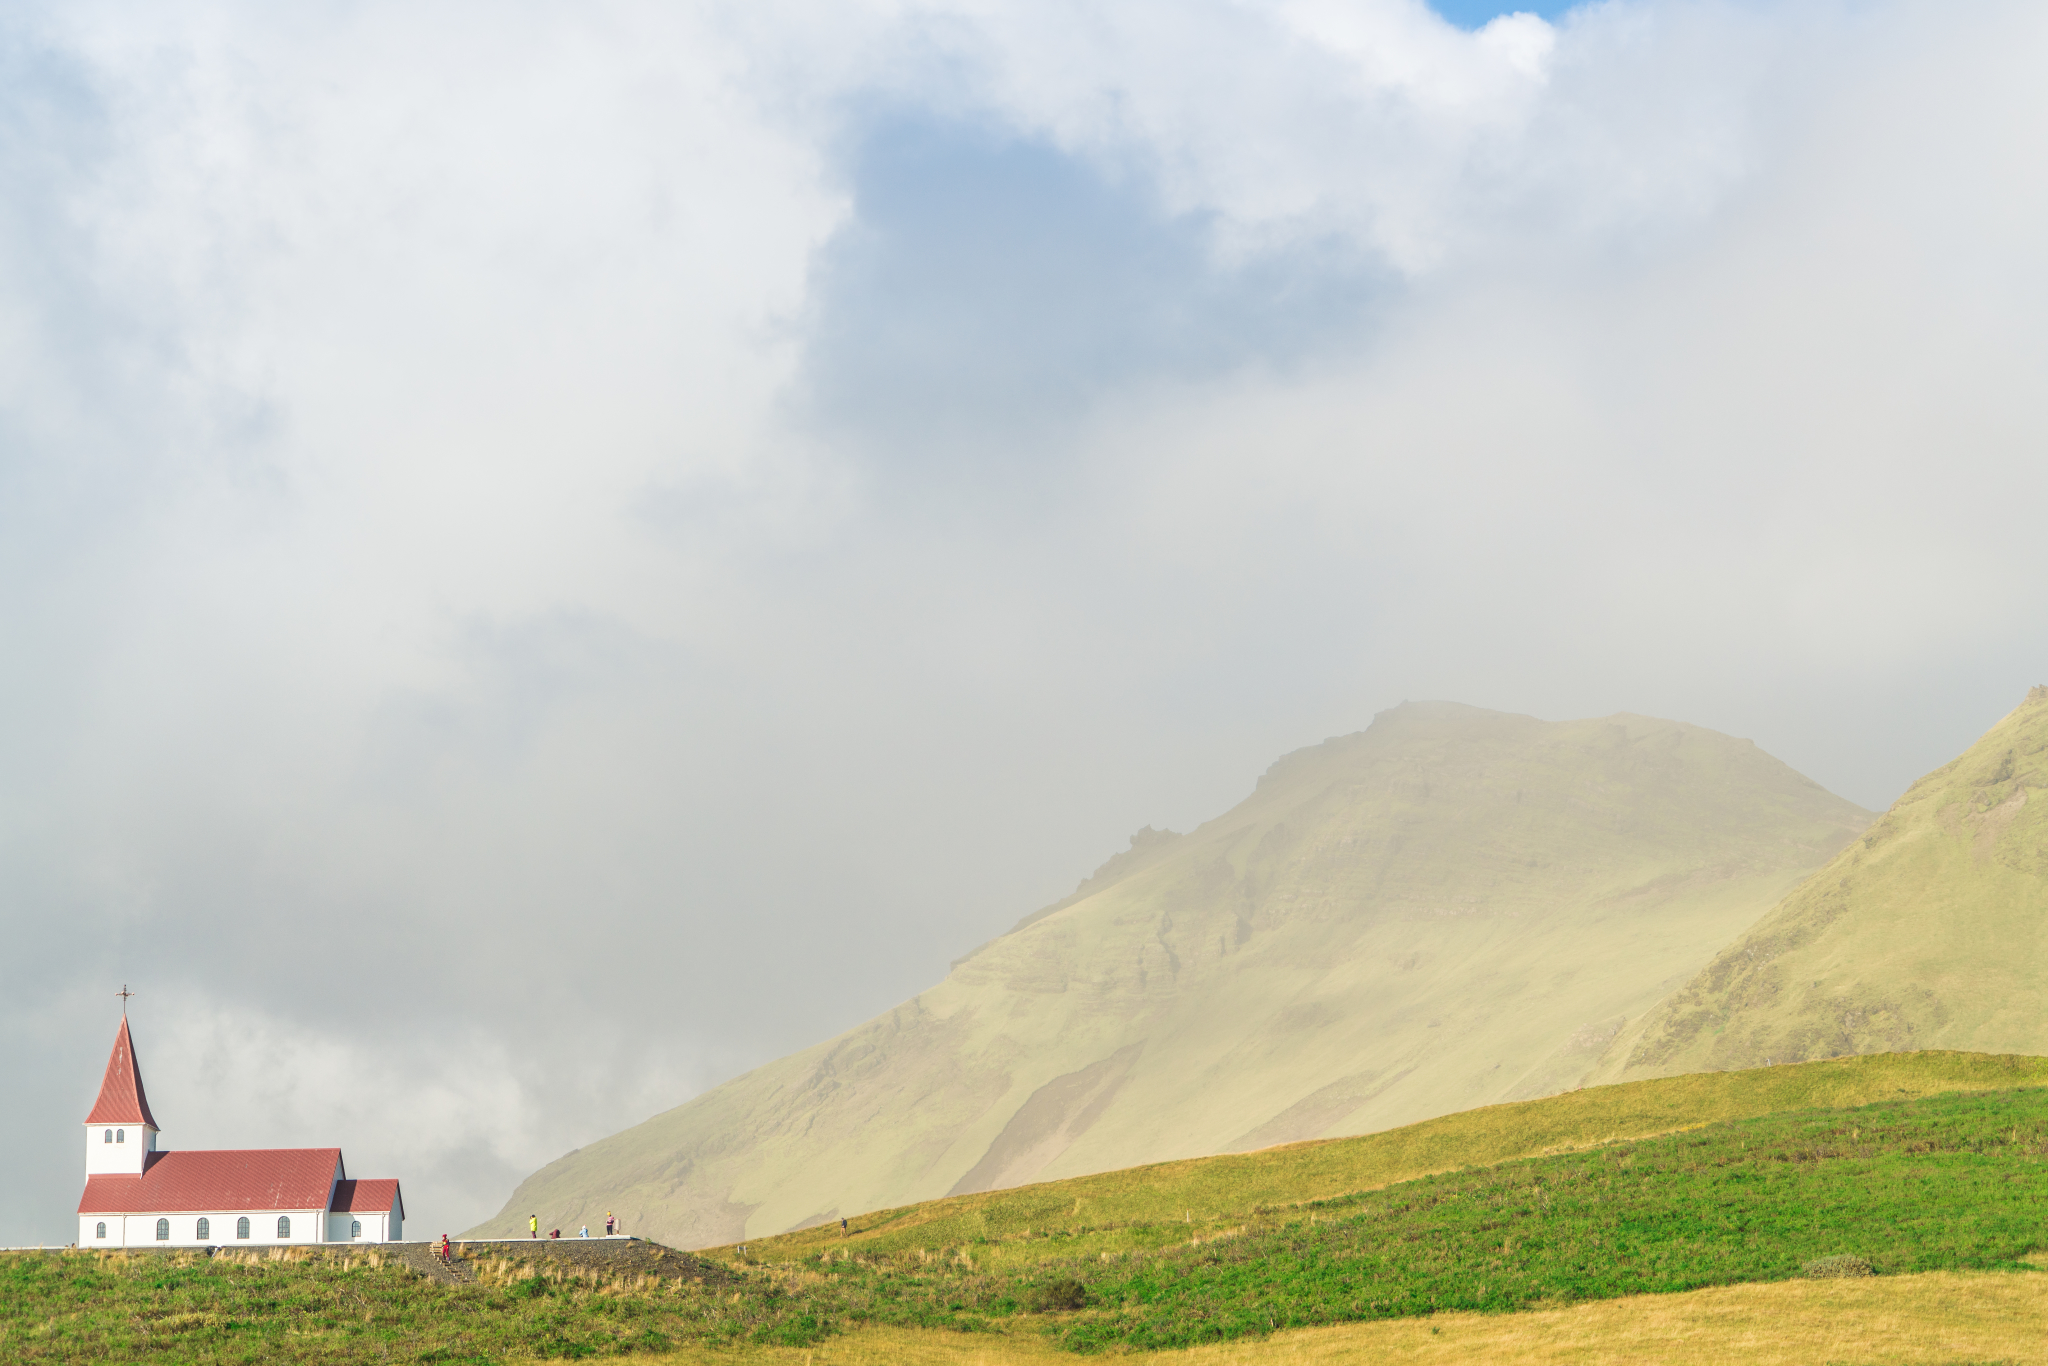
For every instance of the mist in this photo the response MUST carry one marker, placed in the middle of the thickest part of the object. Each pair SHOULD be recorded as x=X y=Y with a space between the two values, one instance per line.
x=551 y=555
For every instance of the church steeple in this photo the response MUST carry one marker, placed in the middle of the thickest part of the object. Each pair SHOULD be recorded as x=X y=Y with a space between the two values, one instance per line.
x=120 y=1133
x=122 y=1099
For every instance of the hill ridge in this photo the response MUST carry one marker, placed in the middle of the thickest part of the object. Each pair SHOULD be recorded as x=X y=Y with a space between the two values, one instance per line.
x=1931 y=930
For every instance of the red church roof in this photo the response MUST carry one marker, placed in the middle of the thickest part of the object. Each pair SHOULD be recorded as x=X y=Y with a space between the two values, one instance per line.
x=366 y=1197
x=121 y=1099
x=200 y=1182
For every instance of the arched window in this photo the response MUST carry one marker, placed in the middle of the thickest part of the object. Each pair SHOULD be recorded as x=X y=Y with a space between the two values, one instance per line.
x=100 y=1230
x=120 y=1135
x=242 y=1227
x=107 y=1137
x=205 y=1229
x=355 y=1228
x=163 y=1229
x=284 y=1226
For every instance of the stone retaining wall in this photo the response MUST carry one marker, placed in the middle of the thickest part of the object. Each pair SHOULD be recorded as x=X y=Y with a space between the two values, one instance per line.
x=611 y=1256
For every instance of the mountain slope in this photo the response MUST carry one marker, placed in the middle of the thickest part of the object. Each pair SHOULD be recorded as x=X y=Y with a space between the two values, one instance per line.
x=1451 y=908
x=1929 y=932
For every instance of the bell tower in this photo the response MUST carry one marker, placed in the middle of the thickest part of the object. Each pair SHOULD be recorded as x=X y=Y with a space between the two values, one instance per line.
x=120 y=1133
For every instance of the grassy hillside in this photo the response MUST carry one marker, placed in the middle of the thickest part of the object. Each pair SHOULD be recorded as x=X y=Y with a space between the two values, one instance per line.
x=1931 y=931
x=1950 y=1182
x=1936 y=1318
x=1170 y=1202
x=300 y=1305
x=1905 y=1186
x=1452 y=909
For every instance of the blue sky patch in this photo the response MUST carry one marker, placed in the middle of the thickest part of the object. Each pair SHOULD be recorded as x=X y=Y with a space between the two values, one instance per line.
x=1479 y=13
x=992 y=285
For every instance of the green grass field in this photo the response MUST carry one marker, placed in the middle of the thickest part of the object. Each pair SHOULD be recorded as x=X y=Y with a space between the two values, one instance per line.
x=1956 y=1181
x=1169 y=1202
x=1944 y=1183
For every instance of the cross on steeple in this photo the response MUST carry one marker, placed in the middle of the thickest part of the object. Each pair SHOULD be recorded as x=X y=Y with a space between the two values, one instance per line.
x=124 y=994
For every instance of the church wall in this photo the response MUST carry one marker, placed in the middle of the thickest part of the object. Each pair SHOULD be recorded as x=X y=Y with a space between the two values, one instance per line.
x=139 y=1230
x=376 y=1228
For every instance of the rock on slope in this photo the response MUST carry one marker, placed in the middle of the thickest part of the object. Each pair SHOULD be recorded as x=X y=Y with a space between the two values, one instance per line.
x=1451 y=908
x=1929 y=932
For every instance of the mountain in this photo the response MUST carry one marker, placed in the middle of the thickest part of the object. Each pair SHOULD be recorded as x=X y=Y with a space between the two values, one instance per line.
x=1929 y=932
x=1451 y=908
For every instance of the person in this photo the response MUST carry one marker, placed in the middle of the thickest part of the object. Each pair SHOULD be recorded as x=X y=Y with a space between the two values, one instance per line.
x=555 y=1234
x=444 y=1247
x=607 y=1223
x=842 y=1226
x=585 y=1233
x=533 y=1225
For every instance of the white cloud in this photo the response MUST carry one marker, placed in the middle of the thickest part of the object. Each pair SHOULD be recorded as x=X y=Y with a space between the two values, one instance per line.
x=1371 y=119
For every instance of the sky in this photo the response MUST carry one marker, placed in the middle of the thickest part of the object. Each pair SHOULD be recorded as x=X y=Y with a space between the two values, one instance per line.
x=552 y=554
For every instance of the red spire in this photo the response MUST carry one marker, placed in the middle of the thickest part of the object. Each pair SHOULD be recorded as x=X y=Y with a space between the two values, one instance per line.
x=121 y=1099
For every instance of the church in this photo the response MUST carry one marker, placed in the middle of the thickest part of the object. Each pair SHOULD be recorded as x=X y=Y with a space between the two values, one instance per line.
x=137 y=1195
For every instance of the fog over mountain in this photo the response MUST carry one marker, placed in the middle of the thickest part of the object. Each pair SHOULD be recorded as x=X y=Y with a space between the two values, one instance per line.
x=1452 y=908
x=550 y=555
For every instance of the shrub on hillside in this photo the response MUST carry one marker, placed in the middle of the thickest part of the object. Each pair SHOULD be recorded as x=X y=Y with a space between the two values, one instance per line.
x=1823 y=1268
x=1056 y=1297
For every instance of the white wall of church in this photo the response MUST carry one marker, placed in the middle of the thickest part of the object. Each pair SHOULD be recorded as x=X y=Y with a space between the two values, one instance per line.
x=377 y=1228
x=117 y=1149
x=139 y=1230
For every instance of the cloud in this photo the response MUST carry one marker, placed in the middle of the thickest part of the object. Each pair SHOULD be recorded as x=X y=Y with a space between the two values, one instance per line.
x=550 y=555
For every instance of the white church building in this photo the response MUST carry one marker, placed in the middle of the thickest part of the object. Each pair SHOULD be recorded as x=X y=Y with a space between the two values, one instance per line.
x=137 y=1195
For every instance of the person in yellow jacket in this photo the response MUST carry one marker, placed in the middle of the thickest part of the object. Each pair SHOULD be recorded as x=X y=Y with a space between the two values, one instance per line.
x=533 y=1225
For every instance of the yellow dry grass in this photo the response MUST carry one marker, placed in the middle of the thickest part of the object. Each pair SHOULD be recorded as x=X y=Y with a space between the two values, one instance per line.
x=1941 y=1318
